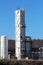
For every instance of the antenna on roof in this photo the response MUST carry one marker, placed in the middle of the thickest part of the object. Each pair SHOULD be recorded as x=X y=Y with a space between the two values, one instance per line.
x=18 y=4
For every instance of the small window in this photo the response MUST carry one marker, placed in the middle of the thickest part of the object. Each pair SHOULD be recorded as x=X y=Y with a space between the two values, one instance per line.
x=21 y=36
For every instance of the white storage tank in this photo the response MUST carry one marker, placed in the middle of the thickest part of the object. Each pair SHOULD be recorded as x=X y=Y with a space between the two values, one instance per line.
x=4 y=47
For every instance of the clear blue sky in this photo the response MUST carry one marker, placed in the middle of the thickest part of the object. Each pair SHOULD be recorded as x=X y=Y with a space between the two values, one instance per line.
x=33 y=18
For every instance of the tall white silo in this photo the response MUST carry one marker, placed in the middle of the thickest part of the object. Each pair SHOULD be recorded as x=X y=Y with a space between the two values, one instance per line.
x=4 y=47
x=20 y=33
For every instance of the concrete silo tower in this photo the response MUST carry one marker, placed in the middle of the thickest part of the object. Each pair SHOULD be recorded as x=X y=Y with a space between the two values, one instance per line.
x=4 y=47
x=20 y=33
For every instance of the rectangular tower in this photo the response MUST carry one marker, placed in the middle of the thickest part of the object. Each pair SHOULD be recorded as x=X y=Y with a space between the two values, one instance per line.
x=20 y=33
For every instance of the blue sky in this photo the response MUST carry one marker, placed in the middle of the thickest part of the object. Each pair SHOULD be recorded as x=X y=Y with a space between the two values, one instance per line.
x=33 y=17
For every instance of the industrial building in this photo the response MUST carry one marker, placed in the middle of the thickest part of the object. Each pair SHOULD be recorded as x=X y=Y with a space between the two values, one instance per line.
x=36 y=48
x=24 y=46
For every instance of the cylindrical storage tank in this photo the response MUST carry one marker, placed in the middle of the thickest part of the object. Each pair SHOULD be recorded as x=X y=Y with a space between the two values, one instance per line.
x=41 y=53
x=4 y=47
x=28 y=47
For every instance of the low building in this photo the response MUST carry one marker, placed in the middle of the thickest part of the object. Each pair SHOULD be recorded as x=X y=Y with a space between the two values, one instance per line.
x=34 y=44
